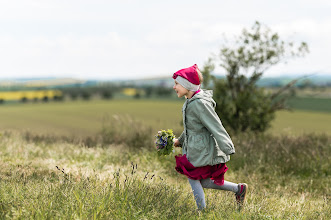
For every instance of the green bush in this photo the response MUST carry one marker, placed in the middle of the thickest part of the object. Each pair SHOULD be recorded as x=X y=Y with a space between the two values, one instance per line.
x=106 y=93
x=242 y=105
x=251 y=109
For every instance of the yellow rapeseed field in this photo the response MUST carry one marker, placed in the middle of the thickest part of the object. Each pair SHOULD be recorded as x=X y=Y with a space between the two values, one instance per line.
x=29 y=95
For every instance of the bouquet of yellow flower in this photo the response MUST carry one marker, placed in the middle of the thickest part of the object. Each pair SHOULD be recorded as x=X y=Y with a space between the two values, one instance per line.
x=164 y=142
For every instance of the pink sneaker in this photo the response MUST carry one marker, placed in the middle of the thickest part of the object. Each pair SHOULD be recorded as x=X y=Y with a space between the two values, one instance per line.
x=241 y=194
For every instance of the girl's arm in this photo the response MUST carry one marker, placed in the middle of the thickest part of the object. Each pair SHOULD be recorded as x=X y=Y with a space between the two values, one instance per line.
x=180 y=140
x=208 y=117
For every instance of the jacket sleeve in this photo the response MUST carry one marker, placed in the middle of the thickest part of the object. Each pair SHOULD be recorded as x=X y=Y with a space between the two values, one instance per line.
x=209 y=118
x=181 y=138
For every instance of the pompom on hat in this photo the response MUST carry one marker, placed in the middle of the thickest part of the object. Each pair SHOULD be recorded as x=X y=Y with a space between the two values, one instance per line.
x=188 y=78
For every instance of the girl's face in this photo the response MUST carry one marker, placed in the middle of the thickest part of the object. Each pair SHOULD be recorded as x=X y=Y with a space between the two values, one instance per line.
x=180 y=90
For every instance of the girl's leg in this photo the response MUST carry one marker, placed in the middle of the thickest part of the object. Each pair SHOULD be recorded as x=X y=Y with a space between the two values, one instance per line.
x=198 y=193
x=228 y=186
x=239 y=189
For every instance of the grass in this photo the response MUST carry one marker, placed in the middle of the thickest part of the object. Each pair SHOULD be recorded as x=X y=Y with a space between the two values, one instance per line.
x=288 y=178
x=86 y=118
x=114 y=172
x=318 y=104
x=300 y=122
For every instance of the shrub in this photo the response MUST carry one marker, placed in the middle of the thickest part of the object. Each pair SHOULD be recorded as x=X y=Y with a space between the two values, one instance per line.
x=106 y=94
x=241 y=103
x=86 y=95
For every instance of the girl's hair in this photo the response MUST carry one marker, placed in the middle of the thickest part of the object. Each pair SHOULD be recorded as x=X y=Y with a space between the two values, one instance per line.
x=200 y=76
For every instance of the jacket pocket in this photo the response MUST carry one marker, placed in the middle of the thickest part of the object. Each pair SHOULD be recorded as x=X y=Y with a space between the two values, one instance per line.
x=217 y=150
x=199 y=141
x=198 y=147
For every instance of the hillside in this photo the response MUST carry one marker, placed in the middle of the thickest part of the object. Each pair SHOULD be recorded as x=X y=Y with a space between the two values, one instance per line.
x=316 y=80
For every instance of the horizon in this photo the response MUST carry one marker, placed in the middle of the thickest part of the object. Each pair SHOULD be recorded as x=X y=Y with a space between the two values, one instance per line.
x=158 y=77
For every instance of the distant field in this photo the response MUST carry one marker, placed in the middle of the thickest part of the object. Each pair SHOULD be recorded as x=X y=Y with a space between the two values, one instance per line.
x=86 y=117
x=299 y=122
x=310 y=104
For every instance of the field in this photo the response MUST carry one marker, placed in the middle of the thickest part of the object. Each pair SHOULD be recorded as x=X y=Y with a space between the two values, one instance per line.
x=85 y=118
x=120 y=175
x=311 y=103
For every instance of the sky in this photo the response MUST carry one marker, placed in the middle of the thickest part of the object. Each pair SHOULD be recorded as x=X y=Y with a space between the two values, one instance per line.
x=126 y=39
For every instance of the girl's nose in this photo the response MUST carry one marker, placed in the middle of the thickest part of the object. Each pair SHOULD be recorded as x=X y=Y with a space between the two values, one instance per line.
x=174 y=87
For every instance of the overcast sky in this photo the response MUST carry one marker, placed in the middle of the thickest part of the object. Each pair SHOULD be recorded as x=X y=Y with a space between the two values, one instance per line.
x=106 y=39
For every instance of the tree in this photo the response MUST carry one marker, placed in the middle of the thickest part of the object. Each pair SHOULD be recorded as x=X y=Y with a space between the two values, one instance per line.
x=206 y=72
x=106 y=93
x=86 y=94
x=240 y=103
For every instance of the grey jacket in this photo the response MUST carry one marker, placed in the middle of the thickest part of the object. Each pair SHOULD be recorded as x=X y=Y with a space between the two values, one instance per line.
x=204 y=139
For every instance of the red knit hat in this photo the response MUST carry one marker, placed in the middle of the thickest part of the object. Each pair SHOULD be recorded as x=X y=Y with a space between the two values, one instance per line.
x=190 y=73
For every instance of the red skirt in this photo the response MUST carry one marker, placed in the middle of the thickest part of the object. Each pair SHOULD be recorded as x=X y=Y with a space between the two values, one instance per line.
x=215 y=172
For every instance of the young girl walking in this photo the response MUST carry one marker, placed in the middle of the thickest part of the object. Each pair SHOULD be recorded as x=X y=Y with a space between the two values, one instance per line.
x=206 y=146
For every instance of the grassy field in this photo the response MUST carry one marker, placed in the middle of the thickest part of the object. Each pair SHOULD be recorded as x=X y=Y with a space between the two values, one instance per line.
x=121 y=177
x=288 y=179
x=311 y=104
x=86 y=118
x=300 y=122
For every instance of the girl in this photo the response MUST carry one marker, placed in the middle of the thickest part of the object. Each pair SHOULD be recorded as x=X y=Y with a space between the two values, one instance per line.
x=206 y=145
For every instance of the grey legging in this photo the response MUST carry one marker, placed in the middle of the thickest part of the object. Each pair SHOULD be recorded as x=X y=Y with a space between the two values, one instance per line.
x=199 y=195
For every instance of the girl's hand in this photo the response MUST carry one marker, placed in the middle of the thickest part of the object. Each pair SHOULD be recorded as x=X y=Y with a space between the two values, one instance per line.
x=177 y=143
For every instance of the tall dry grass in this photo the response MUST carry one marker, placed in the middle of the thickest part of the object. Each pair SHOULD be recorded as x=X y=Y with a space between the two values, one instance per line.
x=111 y=177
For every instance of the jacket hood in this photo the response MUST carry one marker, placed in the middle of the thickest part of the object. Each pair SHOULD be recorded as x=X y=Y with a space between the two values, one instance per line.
x=205 y=95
